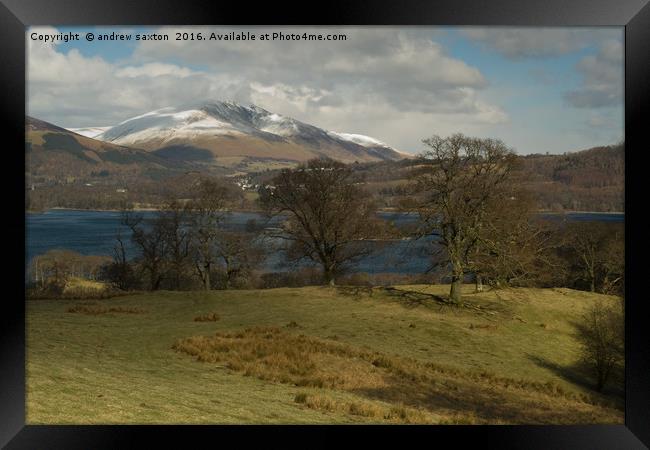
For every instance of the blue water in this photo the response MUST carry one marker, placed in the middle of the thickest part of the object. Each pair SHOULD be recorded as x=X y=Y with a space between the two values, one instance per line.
x=93 y=233
x=586 y=217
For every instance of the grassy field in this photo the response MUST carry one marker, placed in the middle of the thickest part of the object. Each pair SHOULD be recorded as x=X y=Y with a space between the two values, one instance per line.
x=313 y=355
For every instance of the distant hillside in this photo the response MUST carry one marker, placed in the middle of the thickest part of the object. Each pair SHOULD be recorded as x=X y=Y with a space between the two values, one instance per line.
x=55 y=155
x=589 y=180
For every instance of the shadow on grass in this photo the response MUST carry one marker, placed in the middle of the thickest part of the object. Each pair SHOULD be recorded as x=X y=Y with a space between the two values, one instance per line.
x=414 y=299
x=492 y=311
x=577 y=374
x=355 y=292
x=580 y=374
x=484 y=402
x=277 y=355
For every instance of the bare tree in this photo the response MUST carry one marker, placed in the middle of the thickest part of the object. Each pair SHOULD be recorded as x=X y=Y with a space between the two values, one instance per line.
x=515 y=247
x=120 y=271
x=238 y=254
x=151 y=244
x=596 y=252
x=329 y=216
x=173 y=220
x=602 y=337
x=613 y=264
x=206 y=212
x=458 y=182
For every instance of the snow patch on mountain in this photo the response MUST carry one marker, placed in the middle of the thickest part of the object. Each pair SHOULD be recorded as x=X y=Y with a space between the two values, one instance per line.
x=360 y=139
x=90 y=132
x=168 y=123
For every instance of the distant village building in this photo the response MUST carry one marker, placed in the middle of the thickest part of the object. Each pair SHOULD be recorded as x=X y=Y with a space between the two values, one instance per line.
x=246 y=183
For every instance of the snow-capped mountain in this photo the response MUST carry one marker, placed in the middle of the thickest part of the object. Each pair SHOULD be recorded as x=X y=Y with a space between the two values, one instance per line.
x=225 y=130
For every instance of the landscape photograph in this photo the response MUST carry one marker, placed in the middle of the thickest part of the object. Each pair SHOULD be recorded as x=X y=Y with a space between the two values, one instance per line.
x=325 y=225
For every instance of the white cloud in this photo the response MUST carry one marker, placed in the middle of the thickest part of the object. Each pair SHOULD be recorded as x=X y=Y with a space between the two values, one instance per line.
x=73 y=90
x=516 y=43
x=366 y=85
x=151 y=70
x=602 y=73
x=603 y=78
x=405 y=68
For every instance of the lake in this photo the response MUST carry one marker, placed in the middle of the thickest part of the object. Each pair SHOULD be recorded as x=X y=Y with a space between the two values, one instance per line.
x=93 y=233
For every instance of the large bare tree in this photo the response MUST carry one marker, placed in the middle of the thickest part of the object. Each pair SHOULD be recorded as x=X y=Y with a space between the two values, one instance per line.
x=459 y=182
x=328 y=218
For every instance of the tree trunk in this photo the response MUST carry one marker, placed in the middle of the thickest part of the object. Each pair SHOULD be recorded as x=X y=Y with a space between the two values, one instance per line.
x=206 y=276
x=600 y=382
x=228 y=274
x=328 y=276
x=479 y=283
x=456 y=283
x=152 y=280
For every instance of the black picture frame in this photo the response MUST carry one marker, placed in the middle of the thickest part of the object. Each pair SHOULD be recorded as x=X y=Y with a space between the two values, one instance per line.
x=15 y=15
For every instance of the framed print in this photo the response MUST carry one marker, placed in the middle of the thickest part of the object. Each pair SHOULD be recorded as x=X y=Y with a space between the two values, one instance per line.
x=415 y=220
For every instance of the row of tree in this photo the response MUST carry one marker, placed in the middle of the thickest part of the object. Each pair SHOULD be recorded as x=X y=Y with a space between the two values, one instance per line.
x=466 y=191
x=183 y=243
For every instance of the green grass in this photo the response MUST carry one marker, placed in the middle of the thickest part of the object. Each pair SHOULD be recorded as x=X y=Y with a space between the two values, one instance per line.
x=508 y=358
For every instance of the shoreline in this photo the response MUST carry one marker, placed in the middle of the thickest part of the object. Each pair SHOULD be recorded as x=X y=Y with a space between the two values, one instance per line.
x=58 y=208
x=581 y=212
x=382 y=210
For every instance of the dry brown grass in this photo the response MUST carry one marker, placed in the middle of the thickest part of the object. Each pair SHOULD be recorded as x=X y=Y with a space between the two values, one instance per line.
x=394 y=414
x=273 y=354
x=208 y=317
x=91 y=309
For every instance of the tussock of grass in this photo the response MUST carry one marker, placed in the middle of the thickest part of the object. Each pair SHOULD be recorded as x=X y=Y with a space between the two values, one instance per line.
x=272 y=354
x=486 y=326
x=209 y=317
x=395 y=414
x=96 y=310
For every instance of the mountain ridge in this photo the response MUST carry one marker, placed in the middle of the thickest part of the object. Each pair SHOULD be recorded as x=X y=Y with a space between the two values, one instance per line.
x=229 y=129
x=55 y=154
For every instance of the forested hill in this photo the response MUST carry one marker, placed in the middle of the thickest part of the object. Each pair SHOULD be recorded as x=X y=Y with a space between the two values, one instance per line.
x=589 y=180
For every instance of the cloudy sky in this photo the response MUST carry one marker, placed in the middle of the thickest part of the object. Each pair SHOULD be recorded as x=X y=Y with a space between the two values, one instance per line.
x=540 y=90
